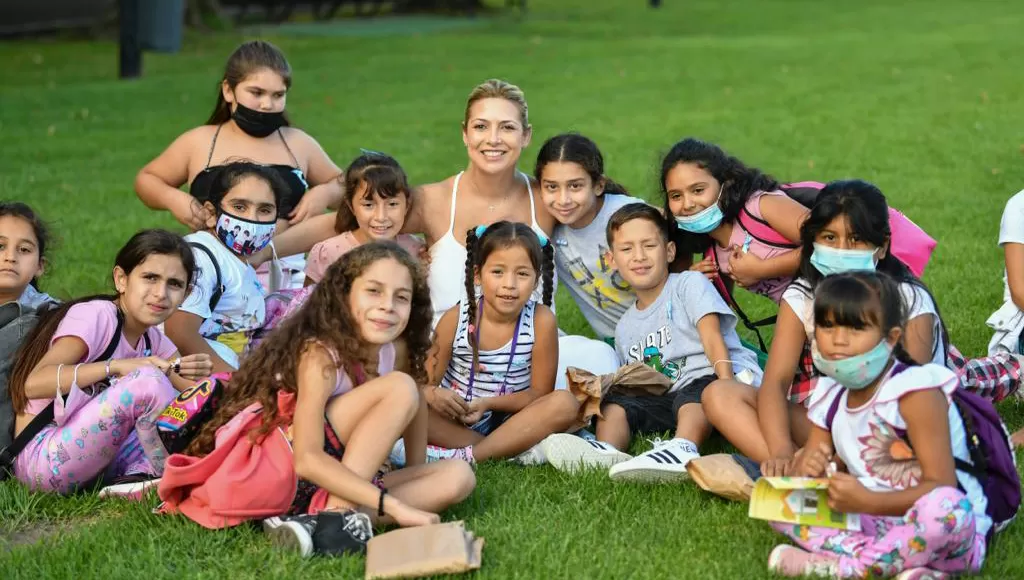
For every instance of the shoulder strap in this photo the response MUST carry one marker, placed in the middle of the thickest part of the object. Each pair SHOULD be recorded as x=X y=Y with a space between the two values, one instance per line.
x=38 y=423
x=762 y=232
x=285 y=141
x=218 y=291
x=213 y=144
x=832 y=410
x=731 y=302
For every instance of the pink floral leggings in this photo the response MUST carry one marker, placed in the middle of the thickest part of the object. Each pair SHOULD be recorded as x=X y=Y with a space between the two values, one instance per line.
x=938 y=533
x=111 y=434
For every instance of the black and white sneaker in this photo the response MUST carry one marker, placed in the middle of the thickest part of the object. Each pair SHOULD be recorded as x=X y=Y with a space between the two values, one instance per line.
x=328 y=533
x=340 y=533
x=666 y=463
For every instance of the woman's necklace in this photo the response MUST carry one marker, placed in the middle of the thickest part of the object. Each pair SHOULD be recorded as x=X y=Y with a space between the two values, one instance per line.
x=492 y=206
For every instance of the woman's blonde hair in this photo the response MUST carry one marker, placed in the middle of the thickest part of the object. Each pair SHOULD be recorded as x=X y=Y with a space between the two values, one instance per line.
x=499 y=89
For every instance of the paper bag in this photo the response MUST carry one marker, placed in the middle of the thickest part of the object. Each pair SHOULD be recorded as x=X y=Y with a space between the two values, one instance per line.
x=721 y=475
x=423 y=551
x=798 y=500
x=633 y=379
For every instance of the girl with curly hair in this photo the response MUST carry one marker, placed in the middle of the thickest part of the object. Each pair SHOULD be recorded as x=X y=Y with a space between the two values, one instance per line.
x=336 y=356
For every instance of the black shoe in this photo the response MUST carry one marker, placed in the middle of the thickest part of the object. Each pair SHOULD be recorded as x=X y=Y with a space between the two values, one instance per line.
x=339 y=533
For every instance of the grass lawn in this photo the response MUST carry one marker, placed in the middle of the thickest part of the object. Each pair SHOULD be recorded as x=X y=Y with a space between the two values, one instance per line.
x=923 y=98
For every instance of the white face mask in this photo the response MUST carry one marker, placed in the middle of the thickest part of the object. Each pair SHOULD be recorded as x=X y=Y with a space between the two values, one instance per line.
x=232 y=229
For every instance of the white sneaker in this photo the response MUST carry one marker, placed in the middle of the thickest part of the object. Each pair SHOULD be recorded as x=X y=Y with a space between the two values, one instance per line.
x=566 y=452
x=532 y=456
x=292 y=532
x=130 y=490
x=665 y=463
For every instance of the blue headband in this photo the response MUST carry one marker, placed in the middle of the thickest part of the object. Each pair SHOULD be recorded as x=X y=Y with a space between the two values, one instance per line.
x=481 y=230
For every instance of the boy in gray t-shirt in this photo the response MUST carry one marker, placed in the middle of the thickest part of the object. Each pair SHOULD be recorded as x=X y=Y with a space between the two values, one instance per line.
x=681 y=327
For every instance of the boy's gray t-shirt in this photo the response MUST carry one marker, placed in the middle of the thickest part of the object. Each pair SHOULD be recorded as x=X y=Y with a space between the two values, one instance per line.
x=664 y=335
x=580 y=260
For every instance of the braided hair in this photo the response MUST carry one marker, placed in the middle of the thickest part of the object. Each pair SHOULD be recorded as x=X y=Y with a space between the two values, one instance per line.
x=484 y=240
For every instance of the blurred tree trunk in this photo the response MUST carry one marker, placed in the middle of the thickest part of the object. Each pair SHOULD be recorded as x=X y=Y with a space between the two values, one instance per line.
x=197 y=11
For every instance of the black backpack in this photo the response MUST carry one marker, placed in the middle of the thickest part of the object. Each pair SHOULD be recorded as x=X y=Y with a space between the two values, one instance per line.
x=16 y=324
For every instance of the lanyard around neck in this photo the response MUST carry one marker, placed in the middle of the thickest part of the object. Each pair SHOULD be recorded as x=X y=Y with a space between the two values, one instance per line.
x=511 y=354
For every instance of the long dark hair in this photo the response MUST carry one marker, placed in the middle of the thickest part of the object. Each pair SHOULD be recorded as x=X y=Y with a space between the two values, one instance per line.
x=325 y=319
x=384 y=178
x=862 y=299
x=737 y=181
x=578 y=149
x=141 y=246
x=867 y=214
x=39 y=228
x=498 y=236
x=248 y=58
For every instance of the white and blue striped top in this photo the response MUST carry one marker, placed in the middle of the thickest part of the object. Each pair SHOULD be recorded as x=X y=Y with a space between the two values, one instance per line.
x=499 y=371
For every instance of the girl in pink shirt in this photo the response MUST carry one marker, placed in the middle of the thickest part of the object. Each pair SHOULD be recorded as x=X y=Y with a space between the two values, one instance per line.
x=108 y=371
x=377 y=201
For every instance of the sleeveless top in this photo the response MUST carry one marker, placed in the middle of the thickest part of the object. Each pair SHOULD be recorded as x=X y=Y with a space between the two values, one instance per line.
x=292 y=176
x=447 y=273
x=500 y=371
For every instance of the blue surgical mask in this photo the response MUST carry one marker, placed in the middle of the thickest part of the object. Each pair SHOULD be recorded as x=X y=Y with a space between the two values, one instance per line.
x=855 y=372
x=830 y=261
x=703 y=221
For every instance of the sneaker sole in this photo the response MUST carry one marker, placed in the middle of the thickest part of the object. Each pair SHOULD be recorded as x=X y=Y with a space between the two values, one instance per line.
x=287 y=535
x=129 y=491
x=649 y=475
x=773 y=558
x=570 y=453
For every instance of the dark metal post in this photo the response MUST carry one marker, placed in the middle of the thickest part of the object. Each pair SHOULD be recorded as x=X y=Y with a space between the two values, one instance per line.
x=130 y=48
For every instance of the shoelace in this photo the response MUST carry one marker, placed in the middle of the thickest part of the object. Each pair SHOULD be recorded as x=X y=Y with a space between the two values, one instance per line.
x=658 y=442
x=358 y=526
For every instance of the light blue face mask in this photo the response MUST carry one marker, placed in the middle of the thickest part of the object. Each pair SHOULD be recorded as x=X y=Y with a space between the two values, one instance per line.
x=703 y=221
x=855 y=372
x=830 y=261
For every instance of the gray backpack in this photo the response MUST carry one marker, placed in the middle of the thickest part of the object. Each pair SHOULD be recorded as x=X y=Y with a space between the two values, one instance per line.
x=16 y=322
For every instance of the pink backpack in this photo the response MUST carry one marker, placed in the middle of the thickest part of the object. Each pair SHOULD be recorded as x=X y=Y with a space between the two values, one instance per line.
x=910 y=244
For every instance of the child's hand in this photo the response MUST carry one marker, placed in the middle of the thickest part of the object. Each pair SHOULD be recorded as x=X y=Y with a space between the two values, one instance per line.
x=408 y=516
x=314 y=202
x=446 y=402
x=745 y=267
x=194 y=366
x=811 y=462
x=846 y=493
x=476 y=411
x=707 y=267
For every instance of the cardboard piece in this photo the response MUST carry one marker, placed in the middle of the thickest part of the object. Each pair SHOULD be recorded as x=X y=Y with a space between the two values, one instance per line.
x=423 y=551
x=798 y=500
x=721 y=475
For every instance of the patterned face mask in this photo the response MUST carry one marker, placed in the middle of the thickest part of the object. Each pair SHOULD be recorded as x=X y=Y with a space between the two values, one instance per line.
x=244 y=237
x=855 y=372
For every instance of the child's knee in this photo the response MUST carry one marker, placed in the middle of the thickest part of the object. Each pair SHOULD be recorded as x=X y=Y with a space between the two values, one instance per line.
x=147 y=386
x=402 y=388
x=562 y=405
x=459 y=480
x=942 y=512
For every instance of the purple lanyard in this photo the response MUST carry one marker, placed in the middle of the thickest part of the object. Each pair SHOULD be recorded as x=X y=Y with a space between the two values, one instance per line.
x=512 y=353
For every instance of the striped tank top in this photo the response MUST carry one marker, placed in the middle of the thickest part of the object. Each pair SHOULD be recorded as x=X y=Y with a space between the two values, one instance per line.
x=500 y=371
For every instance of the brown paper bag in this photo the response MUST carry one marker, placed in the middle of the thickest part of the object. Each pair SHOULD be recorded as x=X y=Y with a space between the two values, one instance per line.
x=423 y=551
x=635 y=379
x=722 y=476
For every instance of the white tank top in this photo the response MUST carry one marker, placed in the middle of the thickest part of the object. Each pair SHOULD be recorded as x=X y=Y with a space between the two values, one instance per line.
x=447 y=274
x=503 y=371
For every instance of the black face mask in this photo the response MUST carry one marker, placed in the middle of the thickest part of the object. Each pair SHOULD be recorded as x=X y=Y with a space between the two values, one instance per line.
x=256 y=123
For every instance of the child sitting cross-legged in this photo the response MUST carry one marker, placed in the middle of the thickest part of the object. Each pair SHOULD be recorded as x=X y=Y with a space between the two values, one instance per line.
x=679 y=326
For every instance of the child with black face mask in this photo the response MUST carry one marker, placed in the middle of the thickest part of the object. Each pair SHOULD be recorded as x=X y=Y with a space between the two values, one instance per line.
x=249 y=121
x=226 y=304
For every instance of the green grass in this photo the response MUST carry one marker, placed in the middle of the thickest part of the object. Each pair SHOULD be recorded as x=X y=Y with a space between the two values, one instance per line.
x=922 y=98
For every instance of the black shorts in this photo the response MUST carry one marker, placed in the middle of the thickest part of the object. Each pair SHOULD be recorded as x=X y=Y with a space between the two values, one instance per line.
x=657 y=413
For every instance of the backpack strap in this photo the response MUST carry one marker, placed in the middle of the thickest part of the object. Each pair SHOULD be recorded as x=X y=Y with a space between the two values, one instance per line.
x=218 y=291
x=731 y=302
x=762 y=232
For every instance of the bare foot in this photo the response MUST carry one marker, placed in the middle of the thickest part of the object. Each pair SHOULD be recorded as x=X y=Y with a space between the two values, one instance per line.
x=1017 y=439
